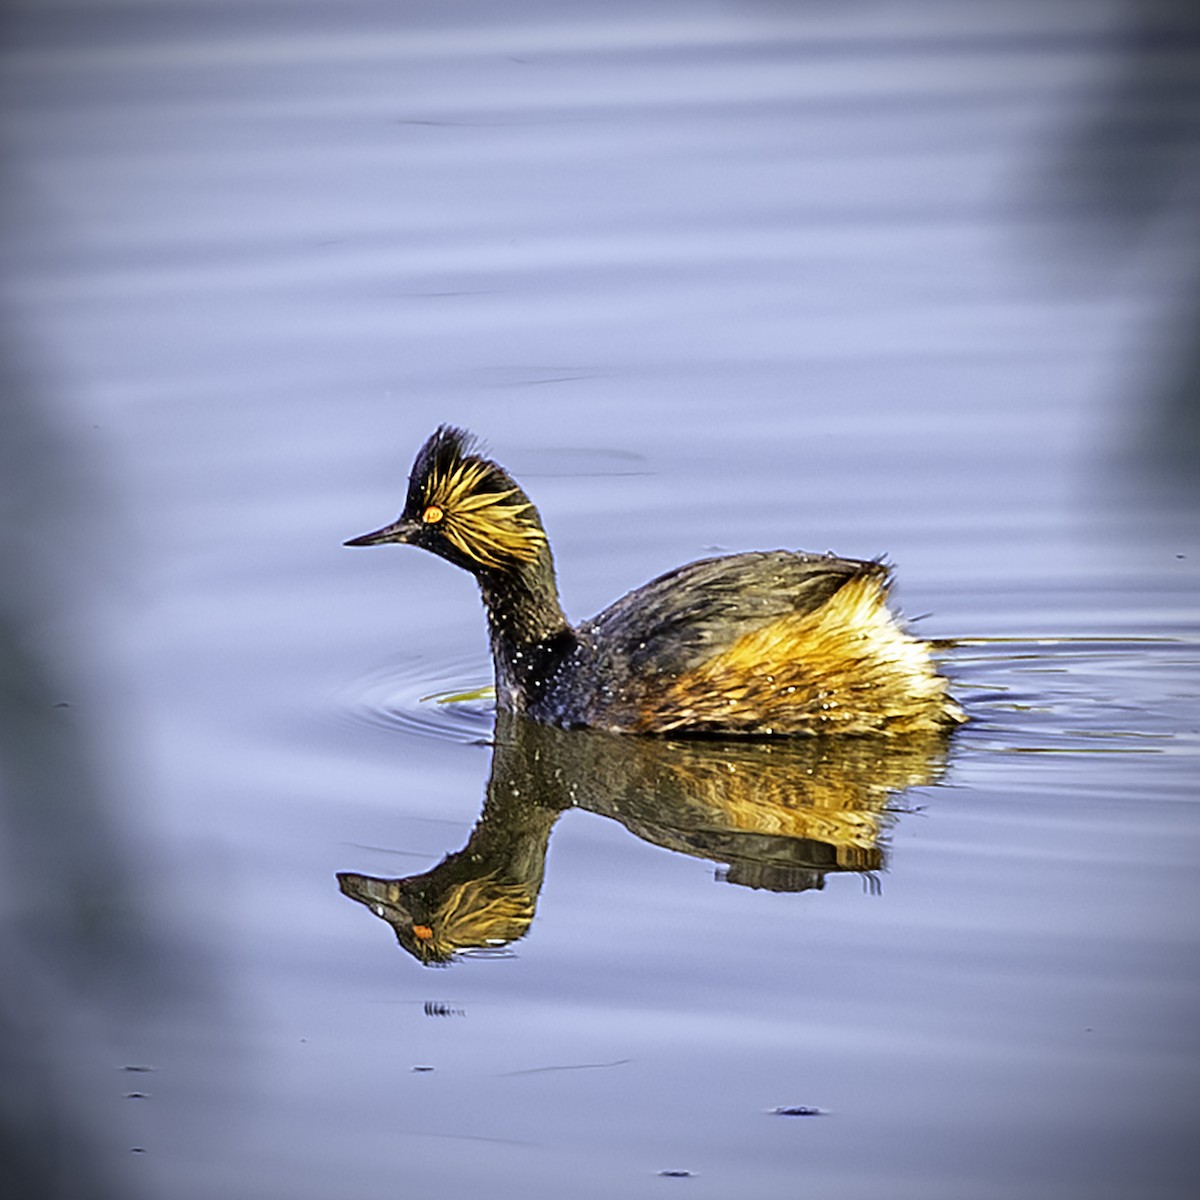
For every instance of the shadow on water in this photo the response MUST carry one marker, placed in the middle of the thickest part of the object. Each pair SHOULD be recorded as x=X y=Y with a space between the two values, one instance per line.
x=70 y=937
x=89 y=972
x=1128 y=165
x=779 y=815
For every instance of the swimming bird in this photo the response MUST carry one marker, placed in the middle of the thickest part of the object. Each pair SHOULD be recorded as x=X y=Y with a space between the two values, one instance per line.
x=764 y=643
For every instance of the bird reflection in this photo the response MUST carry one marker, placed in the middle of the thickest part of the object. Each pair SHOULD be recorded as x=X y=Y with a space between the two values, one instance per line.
x=779 y=815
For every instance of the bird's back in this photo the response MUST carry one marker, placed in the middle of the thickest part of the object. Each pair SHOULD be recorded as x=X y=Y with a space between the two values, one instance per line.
x=757 y=643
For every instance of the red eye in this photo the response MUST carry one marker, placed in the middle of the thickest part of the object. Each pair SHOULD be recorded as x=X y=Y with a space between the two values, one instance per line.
x=432 y=515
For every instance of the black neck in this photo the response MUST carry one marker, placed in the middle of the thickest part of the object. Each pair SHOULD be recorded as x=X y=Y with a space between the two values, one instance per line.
x=529 y=633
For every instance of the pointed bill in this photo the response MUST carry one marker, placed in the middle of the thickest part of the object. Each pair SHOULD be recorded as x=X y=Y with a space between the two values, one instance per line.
x=398 y=531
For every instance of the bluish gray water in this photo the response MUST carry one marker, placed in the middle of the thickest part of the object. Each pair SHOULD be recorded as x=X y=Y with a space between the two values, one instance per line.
x=907 y=278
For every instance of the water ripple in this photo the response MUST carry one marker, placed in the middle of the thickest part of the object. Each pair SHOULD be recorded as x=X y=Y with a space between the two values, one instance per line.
x=451 y=699
x=1082 y=694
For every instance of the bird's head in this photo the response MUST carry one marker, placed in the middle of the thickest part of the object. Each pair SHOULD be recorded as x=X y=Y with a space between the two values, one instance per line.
x=464 y=508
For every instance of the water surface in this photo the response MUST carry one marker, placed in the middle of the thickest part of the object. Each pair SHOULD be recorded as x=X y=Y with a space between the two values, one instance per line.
x=880 y=278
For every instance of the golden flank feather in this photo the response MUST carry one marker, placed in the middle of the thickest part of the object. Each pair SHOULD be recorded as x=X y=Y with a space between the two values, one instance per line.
x=844 y=668
x=487 y=526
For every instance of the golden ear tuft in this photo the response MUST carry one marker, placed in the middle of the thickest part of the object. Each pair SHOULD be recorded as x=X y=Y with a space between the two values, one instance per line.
x=484 y=516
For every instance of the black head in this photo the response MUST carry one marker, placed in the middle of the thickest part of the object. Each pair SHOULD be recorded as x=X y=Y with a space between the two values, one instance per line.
x=464 y=508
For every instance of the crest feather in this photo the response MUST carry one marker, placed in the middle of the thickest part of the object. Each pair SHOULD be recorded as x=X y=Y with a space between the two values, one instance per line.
x=483 y=513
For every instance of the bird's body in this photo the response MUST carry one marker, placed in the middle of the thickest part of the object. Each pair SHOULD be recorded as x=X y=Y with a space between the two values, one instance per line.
x=756 y=644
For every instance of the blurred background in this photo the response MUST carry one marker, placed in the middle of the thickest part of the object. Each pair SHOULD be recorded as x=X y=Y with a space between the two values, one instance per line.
x=916 y=278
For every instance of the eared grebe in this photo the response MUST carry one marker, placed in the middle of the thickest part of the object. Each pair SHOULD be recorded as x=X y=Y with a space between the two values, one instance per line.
x=764 y=643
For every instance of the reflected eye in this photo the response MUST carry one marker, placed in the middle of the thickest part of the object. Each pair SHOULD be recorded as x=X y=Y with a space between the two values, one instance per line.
x=432 y=515
x=423 y=932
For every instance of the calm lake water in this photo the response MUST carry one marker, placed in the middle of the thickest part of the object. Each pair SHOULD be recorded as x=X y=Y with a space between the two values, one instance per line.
x=916 y=279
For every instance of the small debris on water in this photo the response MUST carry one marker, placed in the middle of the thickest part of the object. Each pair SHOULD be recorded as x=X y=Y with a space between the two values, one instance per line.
x=797 y=1110
x=422 y=1070
x=676 y=1174
x=487 y=692
x=435 y=1008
